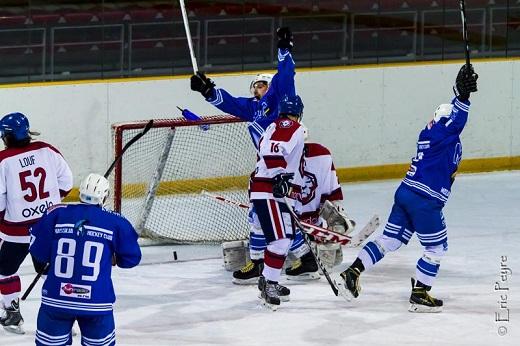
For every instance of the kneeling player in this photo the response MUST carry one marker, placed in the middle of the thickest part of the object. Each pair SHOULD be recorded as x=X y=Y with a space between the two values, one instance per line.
x=80 y=242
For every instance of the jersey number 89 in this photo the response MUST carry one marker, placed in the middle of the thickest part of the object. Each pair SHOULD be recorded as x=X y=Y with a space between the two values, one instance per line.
x=65 y=257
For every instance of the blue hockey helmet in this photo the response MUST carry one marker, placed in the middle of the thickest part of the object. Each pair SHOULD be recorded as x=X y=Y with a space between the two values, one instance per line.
x=16 y=125
x=291 y=105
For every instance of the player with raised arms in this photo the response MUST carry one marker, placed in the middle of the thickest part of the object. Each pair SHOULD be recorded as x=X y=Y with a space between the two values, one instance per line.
x=33 y=177
x=260 y=111
x=419 y=200
x=81 y=242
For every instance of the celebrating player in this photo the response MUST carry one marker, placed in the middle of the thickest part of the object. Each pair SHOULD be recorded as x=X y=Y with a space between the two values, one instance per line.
x=79 y=242
x=260 y=111
x=419 y=200
x=279 y=158
x=34 y=176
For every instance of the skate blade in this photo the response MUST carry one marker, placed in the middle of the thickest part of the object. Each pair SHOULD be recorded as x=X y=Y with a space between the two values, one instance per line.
x=252 y=281
x=342 y=290
x=424 y=309
x=304 y=277
x=284 y=298
x=15 y=329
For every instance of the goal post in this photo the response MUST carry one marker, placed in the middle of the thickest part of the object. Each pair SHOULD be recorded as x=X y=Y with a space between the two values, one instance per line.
x=158 y=182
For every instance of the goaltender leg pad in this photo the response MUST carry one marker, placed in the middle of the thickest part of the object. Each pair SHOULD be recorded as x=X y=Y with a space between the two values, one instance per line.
x=327 y=254
x=235 y=254
x=336 y=220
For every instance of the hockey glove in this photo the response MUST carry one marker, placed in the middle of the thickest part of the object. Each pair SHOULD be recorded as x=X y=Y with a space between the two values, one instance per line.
x=466 y=82
x=285 y=38
x=202 y=84
x=282 y=185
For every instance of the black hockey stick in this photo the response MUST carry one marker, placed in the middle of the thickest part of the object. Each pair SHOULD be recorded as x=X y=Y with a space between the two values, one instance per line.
x=107 y=173
x=127 y=145
x=462 y=6
x=307 y=240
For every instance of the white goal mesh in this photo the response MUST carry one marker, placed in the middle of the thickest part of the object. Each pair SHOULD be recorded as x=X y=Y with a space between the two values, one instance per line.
x=158 y=182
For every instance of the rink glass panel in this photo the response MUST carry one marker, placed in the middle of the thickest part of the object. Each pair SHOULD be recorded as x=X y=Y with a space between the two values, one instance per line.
x=70 y=40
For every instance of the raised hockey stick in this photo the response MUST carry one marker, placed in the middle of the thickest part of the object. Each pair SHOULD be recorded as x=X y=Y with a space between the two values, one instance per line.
x=307 y=240
x=127 y=145
x=107 y=173
x=462 y=6
x=321 y=233
x=188 y=36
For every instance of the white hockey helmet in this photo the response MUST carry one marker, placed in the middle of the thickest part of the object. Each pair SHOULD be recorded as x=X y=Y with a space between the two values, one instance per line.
x=261 y=77
x=443 y=111
x=94 y=189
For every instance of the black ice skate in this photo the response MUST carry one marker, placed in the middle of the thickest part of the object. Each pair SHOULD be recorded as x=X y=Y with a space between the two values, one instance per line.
x=421 y=301
x=283 y=292
x=249 y=274
x=348 y=285
x=12 y=320
x=269 y=293
x=304 y=268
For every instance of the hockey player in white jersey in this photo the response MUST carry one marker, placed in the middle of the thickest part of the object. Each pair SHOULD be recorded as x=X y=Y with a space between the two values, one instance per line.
x=320 y=203
x=277 y=175
x=33 y=176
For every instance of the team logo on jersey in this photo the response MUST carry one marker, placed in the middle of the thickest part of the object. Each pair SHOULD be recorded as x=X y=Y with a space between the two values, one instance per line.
x=75 y=291
x=79 y=227
x=286 y=123
x=310 y=184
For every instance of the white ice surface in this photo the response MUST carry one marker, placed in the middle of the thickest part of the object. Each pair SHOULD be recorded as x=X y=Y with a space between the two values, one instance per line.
x=195 y=303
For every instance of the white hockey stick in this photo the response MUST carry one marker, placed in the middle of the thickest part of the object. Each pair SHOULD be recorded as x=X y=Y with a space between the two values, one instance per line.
x=321 y=233
x=188 y=36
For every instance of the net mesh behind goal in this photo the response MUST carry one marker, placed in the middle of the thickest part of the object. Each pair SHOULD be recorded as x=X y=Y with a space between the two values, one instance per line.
x=158 y=182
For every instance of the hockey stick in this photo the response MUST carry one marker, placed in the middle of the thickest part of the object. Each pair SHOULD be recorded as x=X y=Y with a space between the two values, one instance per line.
x=307 y=240
x=188 y=36
x=107 y=173
x=127 y=145
x=35 y=280
x=462 y=6
x=323 y=234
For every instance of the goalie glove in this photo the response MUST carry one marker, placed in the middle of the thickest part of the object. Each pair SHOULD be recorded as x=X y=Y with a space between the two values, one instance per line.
x=281 y=185
x=337 y=220
x=199 y=82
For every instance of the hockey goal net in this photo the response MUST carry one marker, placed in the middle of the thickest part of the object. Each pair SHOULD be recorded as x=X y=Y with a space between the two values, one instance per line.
x=158 y=183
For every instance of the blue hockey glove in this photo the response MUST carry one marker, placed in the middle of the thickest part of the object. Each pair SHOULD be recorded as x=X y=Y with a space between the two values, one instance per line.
x=281 y=185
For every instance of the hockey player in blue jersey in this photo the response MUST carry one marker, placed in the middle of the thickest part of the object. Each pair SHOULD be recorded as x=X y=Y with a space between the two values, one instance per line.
x=419 y=200
x=260 y=111
x=80 y=242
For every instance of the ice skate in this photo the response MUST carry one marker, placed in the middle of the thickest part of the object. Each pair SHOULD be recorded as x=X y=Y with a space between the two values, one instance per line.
x=269 y=293
x=304 y=268
x=12 y=320
x=348 y=283
x=421 y=301
x=249 y=274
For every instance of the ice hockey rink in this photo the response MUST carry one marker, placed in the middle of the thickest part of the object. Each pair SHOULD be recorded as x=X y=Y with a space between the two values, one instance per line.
x=163 y=302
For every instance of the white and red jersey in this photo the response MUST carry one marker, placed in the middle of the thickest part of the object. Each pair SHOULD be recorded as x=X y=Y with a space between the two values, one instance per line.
x=32 y=178
x=320 y=183
x=280 y=150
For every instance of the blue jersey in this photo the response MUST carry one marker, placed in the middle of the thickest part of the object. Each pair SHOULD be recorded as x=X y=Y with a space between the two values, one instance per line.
x=260 y=113
x=439 y=152
x=78 y=240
